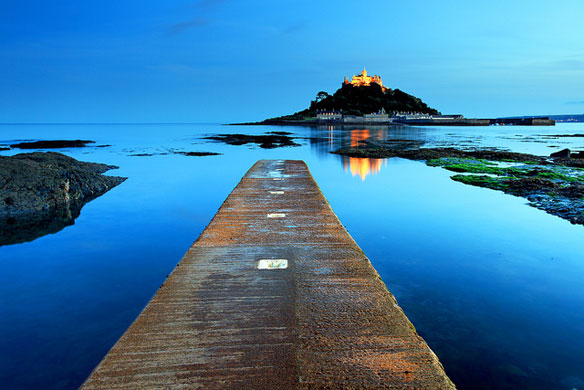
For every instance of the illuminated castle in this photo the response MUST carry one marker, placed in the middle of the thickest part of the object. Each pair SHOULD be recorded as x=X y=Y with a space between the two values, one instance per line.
x=364 y=80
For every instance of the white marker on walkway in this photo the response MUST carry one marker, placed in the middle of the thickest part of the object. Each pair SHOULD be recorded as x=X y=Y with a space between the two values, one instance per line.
x=273 y=264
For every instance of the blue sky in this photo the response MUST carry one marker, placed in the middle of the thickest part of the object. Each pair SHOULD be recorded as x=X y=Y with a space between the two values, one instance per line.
x=227 y=60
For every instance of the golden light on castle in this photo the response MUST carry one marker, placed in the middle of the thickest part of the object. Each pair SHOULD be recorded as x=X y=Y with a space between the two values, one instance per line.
x=363 y=79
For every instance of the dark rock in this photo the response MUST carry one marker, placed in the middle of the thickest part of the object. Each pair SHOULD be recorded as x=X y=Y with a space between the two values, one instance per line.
x=573 y=162
x=574 y=191
x=578 y=155
x=563 y=135
x=279 y=132
x=197 y=154
x=58 y=144
x=40 y=193
x=564 y=153
x=412 y=153
x=3 y=148
x=264 y=141
x=147 y=154
x=529 y=185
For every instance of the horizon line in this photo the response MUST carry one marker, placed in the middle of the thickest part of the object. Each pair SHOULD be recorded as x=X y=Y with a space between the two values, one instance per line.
x=110 y=123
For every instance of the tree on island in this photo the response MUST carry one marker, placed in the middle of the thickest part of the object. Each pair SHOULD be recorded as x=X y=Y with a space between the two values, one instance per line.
x=322 y=95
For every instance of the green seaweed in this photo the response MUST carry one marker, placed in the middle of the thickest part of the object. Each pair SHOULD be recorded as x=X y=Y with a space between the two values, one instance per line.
x=554 y=176
x=567 y=176
x=495 y=183
x=478 y=166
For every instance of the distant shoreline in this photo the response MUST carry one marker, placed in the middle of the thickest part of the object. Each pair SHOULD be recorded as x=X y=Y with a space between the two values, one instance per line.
x=524 y=121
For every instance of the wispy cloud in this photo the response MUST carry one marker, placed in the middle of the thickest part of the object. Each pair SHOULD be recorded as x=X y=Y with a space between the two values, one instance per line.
x=206 y=15
x=177 y=68
x=201 y=7
x=201 y=4
x=294 y=28
x=181 y=27
x=577 y=102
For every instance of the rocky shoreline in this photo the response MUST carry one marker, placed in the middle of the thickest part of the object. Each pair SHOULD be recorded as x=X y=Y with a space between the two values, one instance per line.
x=553 y=184
x=54 y=144
x=42 y=192
x=271 y=140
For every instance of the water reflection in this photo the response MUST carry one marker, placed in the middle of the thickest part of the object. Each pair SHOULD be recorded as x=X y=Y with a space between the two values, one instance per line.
x=357 y=136
x=363 y=166
x=15 y=230
x=326 y=139
x=494 y=286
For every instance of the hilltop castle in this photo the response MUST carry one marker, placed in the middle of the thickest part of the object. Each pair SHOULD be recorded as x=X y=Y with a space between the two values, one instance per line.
x=364 y=80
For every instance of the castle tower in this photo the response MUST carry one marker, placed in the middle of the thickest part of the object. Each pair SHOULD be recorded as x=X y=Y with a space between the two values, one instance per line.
x=363 y=79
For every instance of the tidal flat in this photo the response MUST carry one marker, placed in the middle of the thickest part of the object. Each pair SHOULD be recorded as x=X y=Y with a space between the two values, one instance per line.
x=492 y=284
x=555 y=185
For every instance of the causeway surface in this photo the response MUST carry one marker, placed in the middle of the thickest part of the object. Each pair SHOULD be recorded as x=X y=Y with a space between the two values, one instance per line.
x=227 y=318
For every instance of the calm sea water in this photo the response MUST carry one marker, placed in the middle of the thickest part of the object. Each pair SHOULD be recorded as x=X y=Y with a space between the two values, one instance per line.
x=494 y=286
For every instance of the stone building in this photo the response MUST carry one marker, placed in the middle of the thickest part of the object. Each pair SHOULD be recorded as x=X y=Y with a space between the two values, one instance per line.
x=379 y=116
x=329 y=115
x=364 y=80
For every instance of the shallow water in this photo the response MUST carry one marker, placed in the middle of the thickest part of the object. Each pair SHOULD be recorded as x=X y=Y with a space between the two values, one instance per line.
x=493 y=285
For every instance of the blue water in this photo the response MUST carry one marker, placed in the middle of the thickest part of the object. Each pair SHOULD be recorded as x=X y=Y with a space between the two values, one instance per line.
x=494 y=286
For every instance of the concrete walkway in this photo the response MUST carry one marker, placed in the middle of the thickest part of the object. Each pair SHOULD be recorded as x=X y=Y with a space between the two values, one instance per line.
x=274 y=294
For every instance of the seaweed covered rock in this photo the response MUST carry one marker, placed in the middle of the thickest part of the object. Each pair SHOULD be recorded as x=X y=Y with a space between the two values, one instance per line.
x=554 y=185
x=269 y=141
x=41 y=193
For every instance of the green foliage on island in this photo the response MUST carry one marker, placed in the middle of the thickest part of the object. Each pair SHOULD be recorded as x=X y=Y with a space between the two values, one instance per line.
x=361 y=100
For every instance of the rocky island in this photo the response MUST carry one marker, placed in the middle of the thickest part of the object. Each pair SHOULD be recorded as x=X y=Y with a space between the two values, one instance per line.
x=362 y=98
x=365 y=100
x=41 y=193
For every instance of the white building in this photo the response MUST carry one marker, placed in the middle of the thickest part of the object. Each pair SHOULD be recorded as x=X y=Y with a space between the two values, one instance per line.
x=329 y=115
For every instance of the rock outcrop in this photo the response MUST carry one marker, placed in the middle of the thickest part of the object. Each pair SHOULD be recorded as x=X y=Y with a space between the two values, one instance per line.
x=564 y=153
x=57 y=144
x=41 y=193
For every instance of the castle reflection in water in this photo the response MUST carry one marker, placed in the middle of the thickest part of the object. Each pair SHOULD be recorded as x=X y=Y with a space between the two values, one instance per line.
x=326 y=139
x=363 y=166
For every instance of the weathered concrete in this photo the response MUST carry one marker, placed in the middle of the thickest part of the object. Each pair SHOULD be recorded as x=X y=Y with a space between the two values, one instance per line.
x=326 y=321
